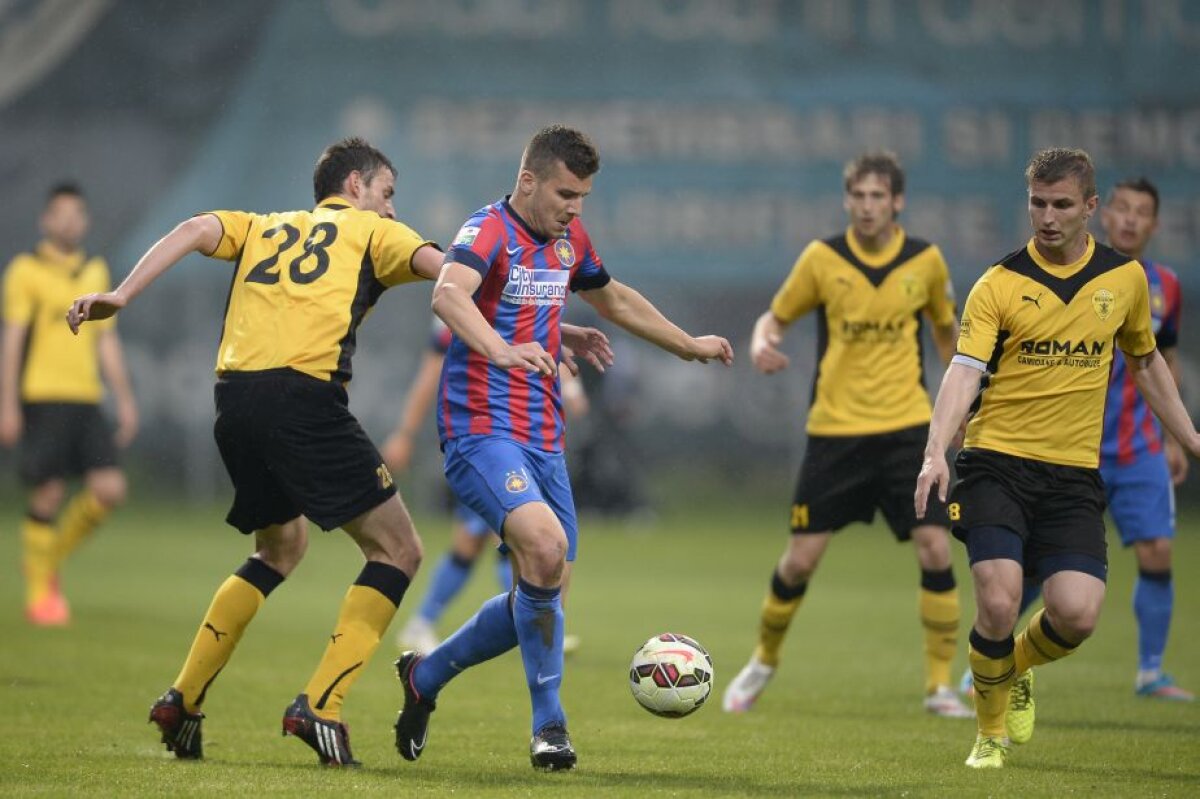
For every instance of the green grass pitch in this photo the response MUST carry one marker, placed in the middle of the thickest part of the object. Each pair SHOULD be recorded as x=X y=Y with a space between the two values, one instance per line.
x=842 y=718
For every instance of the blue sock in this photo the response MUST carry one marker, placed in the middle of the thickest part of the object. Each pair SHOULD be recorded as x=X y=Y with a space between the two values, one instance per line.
x=504 y=572
x=490 y=632
x=448 y=579
x=1153 y=602
x=1030 y=595
x=539 y=620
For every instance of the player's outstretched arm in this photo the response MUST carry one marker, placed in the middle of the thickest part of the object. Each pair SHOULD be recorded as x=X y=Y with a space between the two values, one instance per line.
x=959 y=387
x=625 y=307
x=397 y=450
x=453 y=304
x=199 y=234
x=1154 y=380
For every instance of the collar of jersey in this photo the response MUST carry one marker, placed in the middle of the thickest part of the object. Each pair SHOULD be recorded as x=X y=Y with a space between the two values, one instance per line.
x=54 y=257
x=334 y=203
x=508 y=209
x=1062 y=270
x=877 y=259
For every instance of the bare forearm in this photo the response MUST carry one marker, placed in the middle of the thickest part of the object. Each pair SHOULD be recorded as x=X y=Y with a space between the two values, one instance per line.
x=959 y=387
x=454 y=306
x=10 y=363
x=1155 y=382
x=112 y=366
x=631 y=311
x=420 y=396
x=198 y=234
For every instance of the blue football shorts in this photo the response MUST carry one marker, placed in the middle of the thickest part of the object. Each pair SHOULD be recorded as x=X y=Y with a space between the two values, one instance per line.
x=1141 y=498
x=494 y=475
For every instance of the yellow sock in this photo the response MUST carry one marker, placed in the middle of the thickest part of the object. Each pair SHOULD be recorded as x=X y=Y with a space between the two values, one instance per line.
x=993 y=678
x=778 y=608
x=80 y=519
x=39 y=542
x=940 y=620
x=366 y=613
x=232 y=608
x=1035 y=646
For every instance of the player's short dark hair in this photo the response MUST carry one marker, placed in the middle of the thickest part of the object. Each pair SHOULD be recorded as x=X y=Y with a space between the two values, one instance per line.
x=1140 y=184
x=884 y=163
x=65 y=188
x=1060 y=163
x=560 y=143
x=340 y=159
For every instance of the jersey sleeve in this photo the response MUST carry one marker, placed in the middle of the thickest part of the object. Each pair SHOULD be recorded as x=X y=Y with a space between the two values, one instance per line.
x=588 y=272
x=941 y=306
x=393 y=245
x=1135 y=336
x=979 y=327
x=235 y=229
x=801 y=292
x=20 y=302
x=1168 y=332
x=478 y=243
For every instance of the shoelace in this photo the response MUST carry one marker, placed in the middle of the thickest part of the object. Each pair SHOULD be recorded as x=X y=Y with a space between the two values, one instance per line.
x=1020 y=695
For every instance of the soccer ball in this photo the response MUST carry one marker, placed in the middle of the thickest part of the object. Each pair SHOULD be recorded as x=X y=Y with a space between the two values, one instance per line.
x=671 y=675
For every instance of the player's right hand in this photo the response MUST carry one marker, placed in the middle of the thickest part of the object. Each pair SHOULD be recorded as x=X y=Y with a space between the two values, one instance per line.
x=934 y=473
x=765 y=353
x=530 y=356
x=92 y=307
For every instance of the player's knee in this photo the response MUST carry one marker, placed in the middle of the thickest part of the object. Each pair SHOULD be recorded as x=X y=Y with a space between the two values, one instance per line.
x=283 y=547
x=46 y=499
x=1075 y=622
x=544 y=557
x=1154 y=555
x=998 y=607
x=109 y=489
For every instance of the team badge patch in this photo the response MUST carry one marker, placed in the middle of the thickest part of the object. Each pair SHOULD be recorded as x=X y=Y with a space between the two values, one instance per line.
x=1102 y=303
x=565 y=253
x=466 y=236
x=516 y=482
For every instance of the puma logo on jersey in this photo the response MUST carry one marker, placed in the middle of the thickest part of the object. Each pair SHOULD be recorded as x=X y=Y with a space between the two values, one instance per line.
x=1035 y=300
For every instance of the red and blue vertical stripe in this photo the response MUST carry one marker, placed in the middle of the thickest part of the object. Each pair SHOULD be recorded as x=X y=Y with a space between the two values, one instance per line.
x=1130 y=429
x=524 y=289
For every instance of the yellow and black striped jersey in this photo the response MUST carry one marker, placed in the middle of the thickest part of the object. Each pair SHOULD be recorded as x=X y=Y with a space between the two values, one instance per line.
x=870 y=309
x=304 y=282
x=1046 y=334
x=39 y=288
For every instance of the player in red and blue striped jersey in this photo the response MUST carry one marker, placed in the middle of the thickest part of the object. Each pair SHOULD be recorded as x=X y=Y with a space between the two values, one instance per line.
x=1139 y=463
x=502 y=292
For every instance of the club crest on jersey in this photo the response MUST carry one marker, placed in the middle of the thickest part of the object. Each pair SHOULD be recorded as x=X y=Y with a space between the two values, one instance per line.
x=1102 y=303
x=466 y=236
x=565 y=253
x=527 y=286
x=516 y=482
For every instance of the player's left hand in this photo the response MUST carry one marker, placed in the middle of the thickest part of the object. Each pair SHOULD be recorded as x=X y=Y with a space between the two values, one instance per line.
x=709 y=348
x=587 y=343
x=92 y=307
x=1177 y=462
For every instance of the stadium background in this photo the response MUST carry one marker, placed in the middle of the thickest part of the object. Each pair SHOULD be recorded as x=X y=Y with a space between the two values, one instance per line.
x=723 y=126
